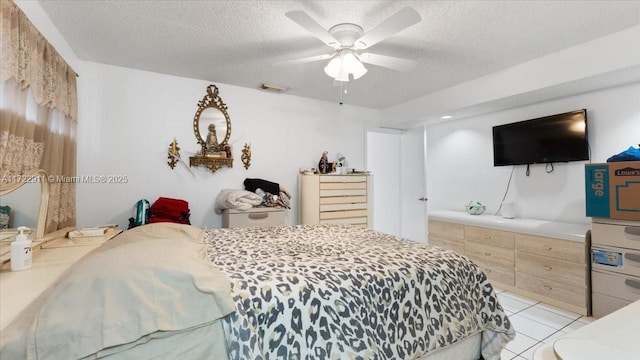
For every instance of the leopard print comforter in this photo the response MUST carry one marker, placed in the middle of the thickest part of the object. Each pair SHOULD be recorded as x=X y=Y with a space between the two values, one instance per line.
x=343 y=292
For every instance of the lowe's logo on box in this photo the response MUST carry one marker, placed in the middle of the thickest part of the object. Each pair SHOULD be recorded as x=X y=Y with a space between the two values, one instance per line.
x=628 y=171
x=597 y=190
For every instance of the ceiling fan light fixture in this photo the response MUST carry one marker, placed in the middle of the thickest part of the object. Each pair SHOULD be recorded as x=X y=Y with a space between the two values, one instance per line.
x=343 y=64
x=333 y=67
x=342 y=75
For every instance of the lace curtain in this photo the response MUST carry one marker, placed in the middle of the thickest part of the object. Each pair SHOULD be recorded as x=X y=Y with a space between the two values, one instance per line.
x=38 y=111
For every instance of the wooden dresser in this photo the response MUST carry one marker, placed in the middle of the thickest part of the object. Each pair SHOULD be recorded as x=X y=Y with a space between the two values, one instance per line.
x=542 y=260
x=337 y=199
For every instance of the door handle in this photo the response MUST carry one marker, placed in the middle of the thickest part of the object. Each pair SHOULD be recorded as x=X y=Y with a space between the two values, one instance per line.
x=423 y=199
x=260 y=215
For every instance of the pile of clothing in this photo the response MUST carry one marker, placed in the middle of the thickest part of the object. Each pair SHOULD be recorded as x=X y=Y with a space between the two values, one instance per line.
x=272 y=193
x=257 y=192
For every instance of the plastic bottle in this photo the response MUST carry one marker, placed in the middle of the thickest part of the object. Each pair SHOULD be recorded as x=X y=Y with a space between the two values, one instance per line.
x=21 y=251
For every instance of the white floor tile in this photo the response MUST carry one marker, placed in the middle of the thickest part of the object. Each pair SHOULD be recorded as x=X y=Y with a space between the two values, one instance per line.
x=511 y=304
x=530 y=327
x=559 y=311
x=554 y=337
x=507 y=355
x=529 y=353
x=521 y=343
x=571 y=327
x=546 y=317
x=519 y=298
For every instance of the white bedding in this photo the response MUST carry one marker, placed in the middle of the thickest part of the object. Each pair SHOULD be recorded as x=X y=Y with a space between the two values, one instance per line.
x=149 y=283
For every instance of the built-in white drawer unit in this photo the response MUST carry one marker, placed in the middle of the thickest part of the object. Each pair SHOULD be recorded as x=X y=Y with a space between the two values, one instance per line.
x=615 y=264
x=618 y=235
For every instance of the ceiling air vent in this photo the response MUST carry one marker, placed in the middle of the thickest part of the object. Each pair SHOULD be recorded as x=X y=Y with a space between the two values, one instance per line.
x=273 y=89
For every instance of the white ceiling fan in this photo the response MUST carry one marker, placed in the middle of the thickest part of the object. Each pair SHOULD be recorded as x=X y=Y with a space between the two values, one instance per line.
x=348 y=40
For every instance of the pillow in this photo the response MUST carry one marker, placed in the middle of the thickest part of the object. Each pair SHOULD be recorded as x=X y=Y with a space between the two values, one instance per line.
x=149 y=279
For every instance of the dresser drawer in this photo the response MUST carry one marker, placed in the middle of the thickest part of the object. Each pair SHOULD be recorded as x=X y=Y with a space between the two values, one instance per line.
x=360 y=199
x=499 y=273
x=342 y=179
x=560 y=249
x=447 y=229
x=343 y=214
x=564 y=271
x=625 y=236
x=619 y=260
x=340 y=207
x=342 y=192
x=447 y=243
x=342 y=185
x=489 y=253
x=605 y=305
x=351 y=221
x=623 y=287
x=574 y=295
x=260 y=217
x=499 y=238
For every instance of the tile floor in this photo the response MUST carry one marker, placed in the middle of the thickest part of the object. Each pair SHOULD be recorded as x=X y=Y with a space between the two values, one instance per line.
x=536 y=324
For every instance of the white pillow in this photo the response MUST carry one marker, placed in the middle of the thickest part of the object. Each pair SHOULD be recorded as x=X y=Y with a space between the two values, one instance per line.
x=153 y=278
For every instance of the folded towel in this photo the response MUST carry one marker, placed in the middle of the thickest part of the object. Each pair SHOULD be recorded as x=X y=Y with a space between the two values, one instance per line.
x=236 y=199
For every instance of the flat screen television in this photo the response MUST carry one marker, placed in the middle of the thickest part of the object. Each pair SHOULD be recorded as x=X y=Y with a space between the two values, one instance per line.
x=549 y=139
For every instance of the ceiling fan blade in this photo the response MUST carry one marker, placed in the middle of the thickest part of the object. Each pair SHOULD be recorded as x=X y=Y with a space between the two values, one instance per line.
x=393 y=25
x=390 y=62
x=305 y=60
x=304 y=20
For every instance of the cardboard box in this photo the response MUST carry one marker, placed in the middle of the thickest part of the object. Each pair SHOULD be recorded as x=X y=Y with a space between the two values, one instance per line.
x=613 y=190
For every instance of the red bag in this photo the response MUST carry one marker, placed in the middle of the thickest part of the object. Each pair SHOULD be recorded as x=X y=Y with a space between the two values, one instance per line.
x=169 y=210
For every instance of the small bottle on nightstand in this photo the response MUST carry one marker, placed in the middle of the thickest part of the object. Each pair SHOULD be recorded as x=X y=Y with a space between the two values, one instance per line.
x=21 y=251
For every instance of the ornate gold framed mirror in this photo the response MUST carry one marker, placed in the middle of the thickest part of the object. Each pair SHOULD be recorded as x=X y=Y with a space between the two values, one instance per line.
x=212 y=128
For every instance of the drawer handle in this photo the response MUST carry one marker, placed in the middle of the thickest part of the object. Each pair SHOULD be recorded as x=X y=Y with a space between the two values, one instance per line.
x=260 y=215
x=548 y=288
x=487 y=253
x=632 y=283
x=548 y=248
x=632 y=230
x=632 y=257
x=548 y=268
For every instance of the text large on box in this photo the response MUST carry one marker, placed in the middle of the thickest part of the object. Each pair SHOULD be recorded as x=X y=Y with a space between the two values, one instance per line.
x=613 y=190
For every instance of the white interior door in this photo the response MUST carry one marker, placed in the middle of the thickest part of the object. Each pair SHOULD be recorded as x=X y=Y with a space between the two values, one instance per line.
x=413 y=185
x=383 y=154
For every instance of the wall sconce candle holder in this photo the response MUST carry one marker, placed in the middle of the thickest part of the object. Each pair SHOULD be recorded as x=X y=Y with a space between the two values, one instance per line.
x=246 y=156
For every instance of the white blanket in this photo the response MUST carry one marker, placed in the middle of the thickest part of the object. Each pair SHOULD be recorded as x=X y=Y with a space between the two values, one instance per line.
x=236 y=199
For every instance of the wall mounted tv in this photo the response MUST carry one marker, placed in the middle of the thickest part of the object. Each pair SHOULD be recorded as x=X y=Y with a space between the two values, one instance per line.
x=545 y=140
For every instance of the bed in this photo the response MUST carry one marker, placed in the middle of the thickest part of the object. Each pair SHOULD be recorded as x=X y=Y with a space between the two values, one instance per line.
x=292 y=292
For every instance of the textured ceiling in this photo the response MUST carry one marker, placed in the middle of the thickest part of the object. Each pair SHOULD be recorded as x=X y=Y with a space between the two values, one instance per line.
x=238 y=42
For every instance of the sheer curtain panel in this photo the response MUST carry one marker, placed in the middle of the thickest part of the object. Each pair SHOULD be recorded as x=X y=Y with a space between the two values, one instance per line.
x=38 y=112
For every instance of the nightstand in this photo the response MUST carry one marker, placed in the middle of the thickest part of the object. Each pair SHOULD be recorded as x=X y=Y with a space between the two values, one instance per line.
x=53 y=255
x=254 y=217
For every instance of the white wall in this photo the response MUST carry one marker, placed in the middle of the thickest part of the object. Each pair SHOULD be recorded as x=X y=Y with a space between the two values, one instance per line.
x=128 y=118
x=460 y=157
